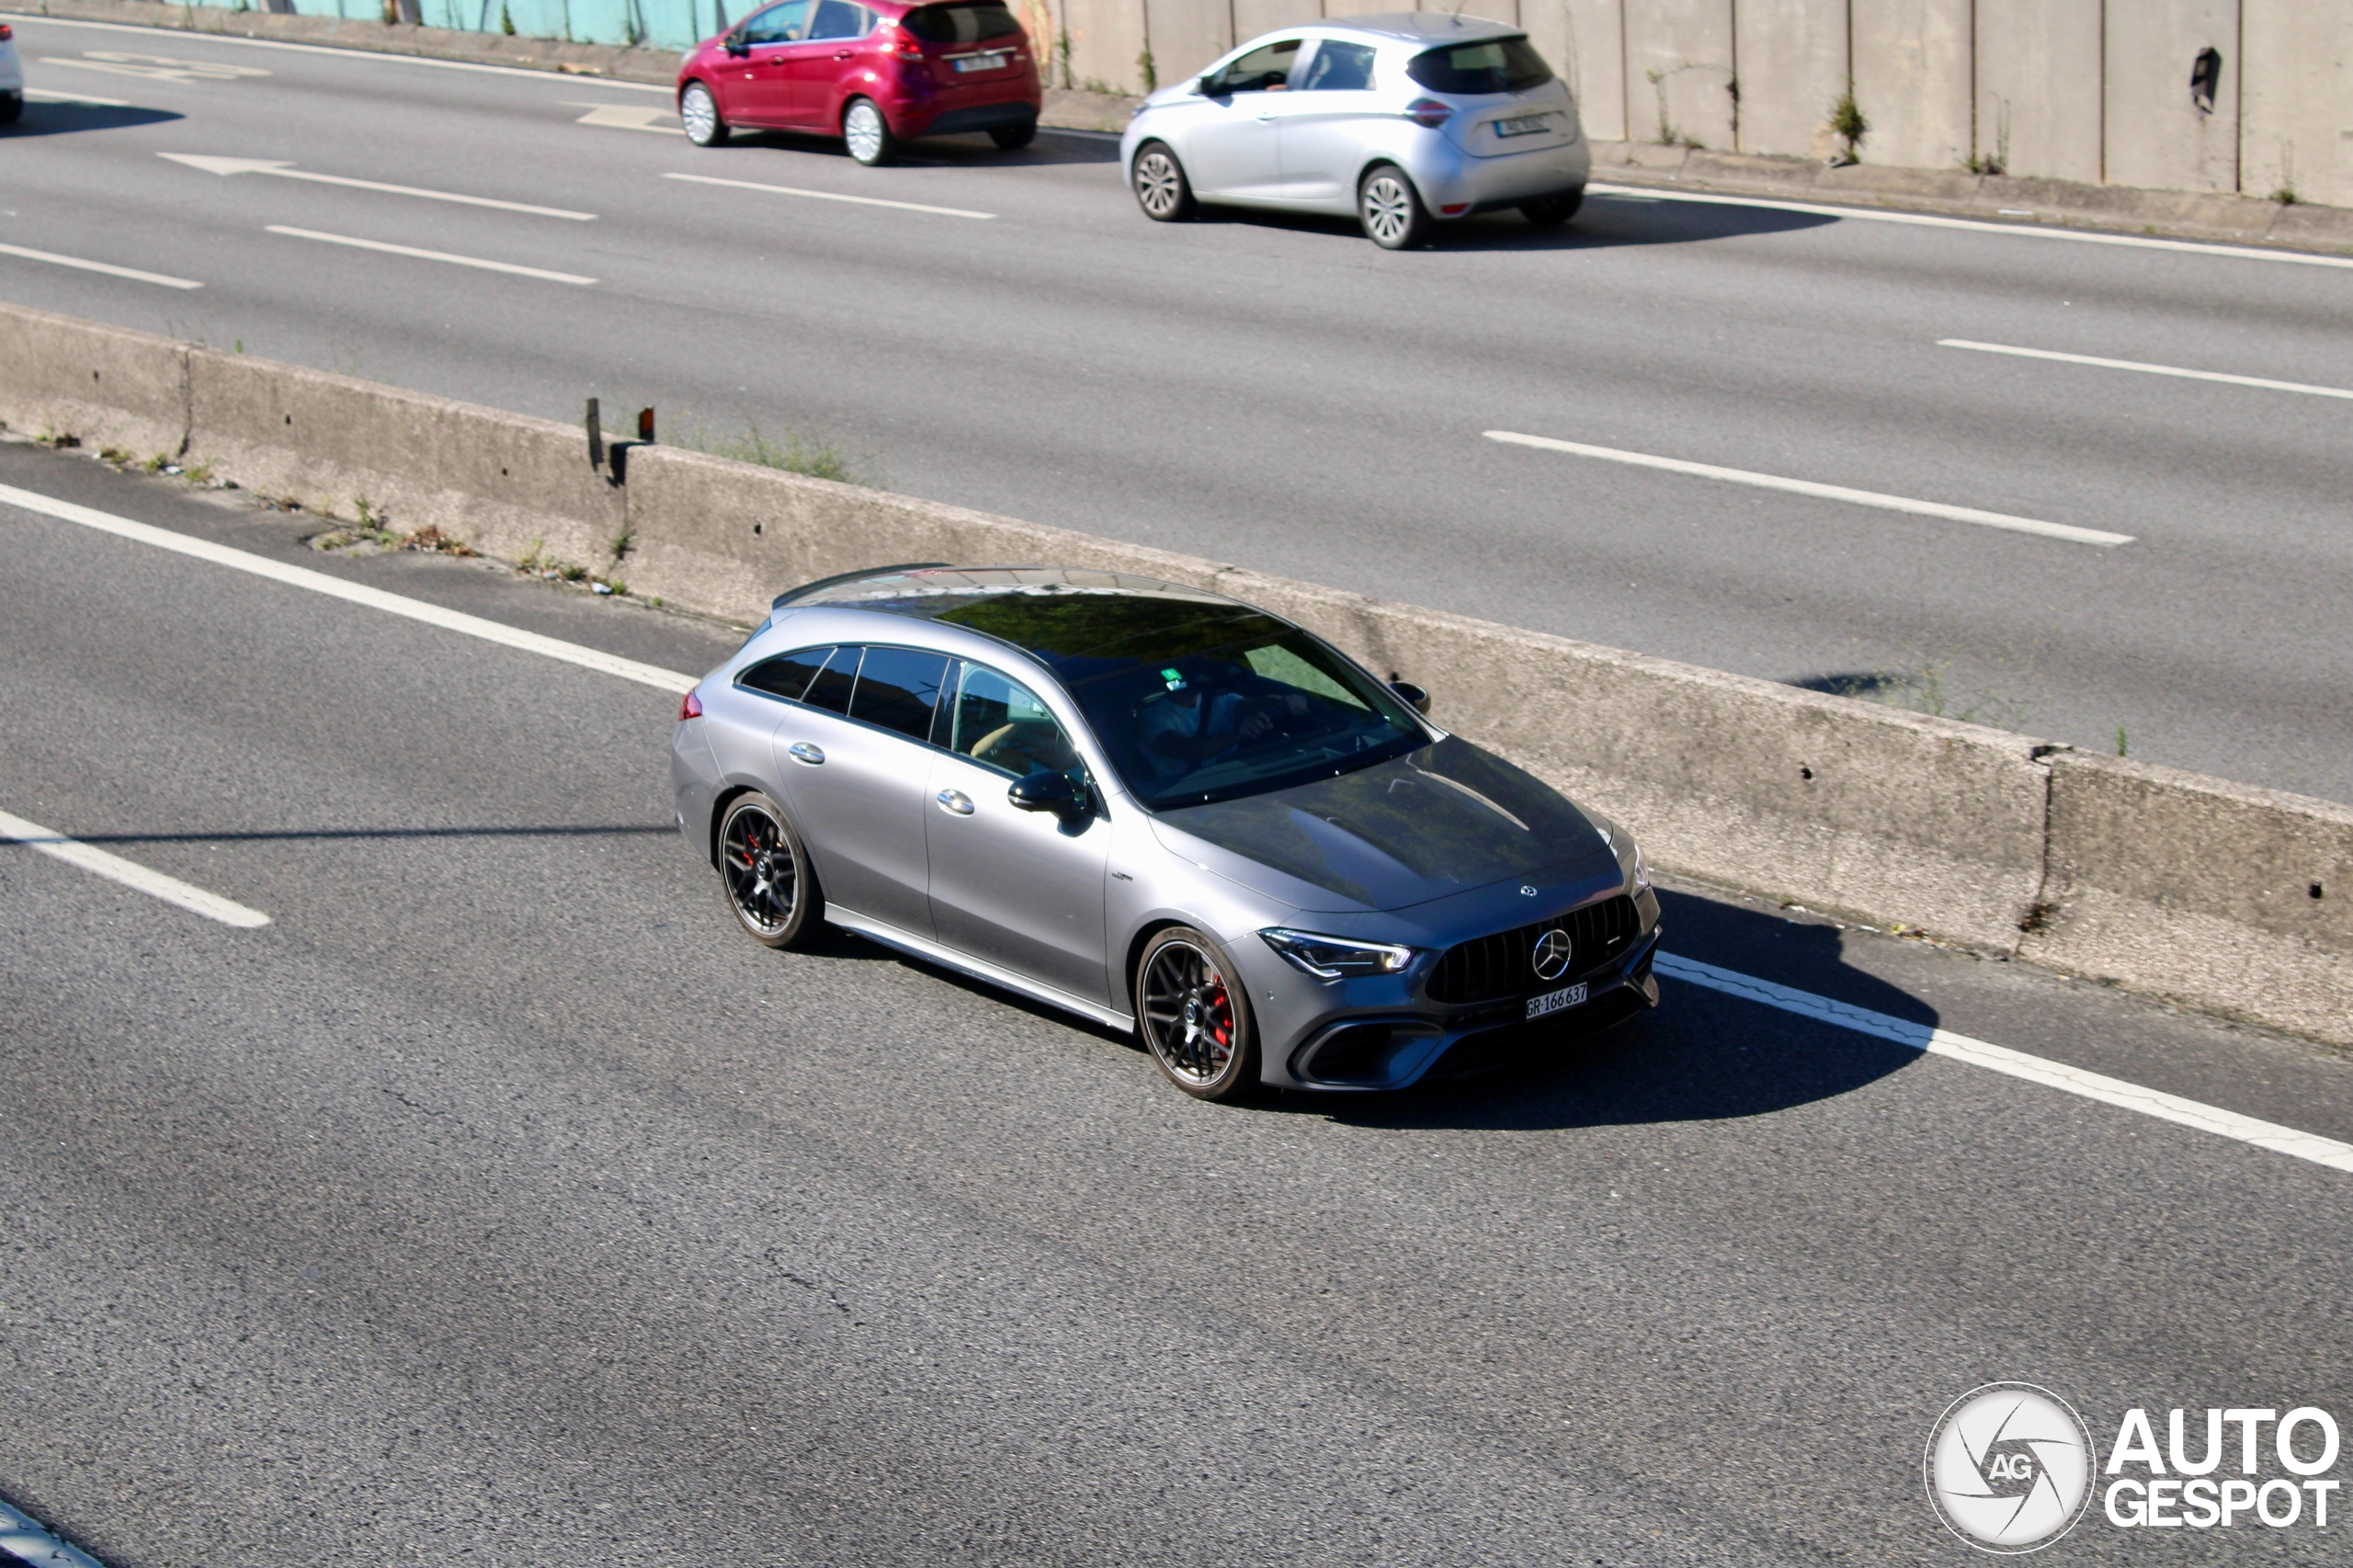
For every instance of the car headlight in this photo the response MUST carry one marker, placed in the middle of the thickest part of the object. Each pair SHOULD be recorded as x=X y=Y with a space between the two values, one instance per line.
x=1333 y=958
x=1641 y=876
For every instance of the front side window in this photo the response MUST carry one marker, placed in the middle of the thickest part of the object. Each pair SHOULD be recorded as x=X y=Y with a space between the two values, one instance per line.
x=1338 y=67
x=1261 y=70
x=1000 y=724
x=788 y=23
x=897 y=688
x=839 y=19
x=966 y=21
x=1496 y=65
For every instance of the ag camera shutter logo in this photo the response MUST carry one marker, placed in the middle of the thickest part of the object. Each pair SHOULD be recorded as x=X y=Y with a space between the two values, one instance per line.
x=2009 y=1468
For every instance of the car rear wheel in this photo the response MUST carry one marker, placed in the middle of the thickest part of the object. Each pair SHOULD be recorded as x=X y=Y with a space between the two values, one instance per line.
x=1391 y=209
x=765 y=872
x=699 y=111
x=1193 y=1013
x=1014 y=137
x=1162 y=190
x=868 y=133
x=1551 y=211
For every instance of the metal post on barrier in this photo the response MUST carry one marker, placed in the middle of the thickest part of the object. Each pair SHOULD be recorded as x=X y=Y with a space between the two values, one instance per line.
x=595 y=436
x=645 y=426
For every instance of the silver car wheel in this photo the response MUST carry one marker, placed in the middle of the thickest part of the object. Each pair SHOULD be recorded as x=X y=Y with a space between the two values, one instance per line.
x=866 y=130
x=1160 y=184
x=700 y=112
x=1391 y=213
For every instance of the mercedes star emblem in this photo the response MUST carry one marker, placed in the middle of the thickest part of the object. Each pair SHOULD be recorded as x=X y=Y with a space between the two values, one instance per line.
x=1553 y=955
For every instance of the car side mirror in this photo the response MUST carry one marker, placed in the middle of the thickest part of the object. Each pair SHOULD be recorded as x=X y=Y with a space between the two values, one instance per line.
x=736 y=48
x=1415 y=697
x=1211 y=88
x=1047 y=790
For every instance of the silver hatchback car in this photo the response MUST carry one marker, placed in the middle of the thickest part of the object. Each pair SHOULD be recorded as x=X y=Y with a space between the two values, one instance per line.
x=1161 y=809
x=1404 y=121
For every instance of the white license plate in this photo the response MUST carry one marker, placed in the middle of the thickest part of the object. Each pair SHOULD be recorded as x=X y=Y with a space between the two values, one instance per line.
x=1555 y=1001
x=1526 y=126
x=979 y=62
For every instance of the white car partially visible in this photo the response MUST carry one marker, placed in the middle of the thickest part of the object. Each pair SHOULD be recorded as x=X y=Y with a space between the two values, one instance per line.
x=12 y=77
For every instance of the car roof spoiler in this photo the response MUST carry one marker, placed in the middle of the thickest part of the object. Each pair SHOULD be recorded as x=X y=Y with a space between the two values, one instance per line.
x=805 y=590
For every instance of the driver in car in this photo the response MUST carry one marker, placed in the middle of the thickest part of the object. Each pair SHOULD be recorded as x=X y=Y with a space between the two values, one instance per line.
x=1183 y=726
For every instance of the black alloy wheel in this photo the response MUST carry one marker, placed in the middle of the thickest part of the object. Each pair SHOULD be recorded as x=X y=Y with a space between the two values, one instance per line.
x=1194 y=1020
x=1162 y=189
x=764 y=869
x=1551 y=211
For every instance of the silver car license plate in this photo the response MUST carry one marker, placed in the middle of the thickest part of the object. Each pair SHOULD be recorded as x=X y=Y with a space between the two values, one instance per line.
x=979 y=62
x=1554 y=1002
x=1527 y=125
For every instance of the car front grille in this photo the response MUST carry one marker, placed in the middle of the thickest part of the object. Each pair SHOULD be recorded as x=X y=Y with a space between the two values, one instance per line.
x=1487 y=968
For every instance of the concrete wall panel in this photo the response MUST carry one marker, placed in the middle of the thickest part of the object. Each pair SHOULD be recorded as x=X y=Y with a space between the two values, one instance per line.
x=2157 y=135
x=1251 y=18
x=1793 y=59
x=1585 y=41
x=1913 y=72
x=2296 y=99
x=101 y=386
x=2038 y=87
x=1679 y=71
x=1105 y=37
x=1185 y=35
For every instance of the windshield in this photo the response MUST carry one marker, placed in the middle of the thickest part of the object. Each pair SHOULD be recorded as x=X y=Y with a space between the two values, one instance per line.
x=1197 y=700
x=1498 y=65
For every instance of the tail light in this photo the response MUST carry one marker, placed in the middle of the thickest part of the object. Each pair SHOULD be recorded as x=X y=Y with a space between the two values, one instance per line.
x=1429 y=113
x=690 y=707
x=6 y=32
x=905 y=45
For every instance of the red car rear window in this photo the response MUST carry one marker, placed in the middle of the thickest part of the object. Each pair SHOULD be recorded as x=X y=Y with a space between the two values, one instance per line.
x=962 y=21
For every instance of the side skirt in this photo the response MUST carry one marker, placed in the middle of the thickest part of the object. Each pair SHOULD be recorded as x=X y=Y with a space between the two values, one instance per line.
x=963 y=963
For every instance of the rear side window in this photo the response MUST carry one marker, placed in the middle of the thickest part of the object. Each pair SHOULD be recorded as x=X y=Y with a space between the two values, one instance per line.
x=966 y=21
x=831 y=689
x=788 y=674
x=1339 y=68
x=1496 y=65
x=839 y=19
x=897 y=688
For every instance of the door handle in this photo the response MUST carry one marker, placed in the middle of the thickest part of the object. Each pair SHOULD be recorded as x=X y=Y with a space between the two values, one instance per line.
x=804 y=752
x=1266 y=117
x=955 y=800
x=842 y=54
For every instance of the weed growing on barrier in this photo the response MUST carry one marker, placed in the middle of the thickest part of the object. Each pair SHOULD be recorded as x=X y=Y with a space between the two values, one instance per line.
x=797 y=451
x=1846 y=123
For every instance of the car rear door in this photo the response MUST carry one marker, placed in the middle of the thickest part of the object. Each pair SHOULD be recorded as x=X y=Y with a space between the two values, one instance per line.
x=852 y=758
x=1020 y=889
x=1326 y=121
x=818 y=67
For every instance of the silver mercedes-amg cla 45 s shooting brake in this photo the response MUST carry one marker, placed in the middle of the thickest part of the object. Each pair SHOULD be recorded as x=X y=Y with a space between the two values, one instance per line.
x=1162 y=810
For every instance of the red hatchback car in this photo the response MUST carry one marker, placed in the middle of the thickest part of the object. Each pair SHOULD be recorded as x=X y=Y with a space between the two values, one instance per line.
x=872 y=73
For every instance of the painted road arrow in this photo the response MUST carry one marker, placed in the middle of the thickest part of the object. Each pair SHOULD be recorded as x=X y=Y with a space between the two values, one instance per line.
x=288 y=171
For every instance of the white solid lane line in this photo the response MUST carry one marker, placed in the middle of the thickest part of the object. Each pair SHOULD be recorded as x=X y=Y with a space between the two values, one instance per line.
x=2016 y=1063
x=2146 y=369
x=628 y=116
x=831 y=196
x=374 y=599
x=1923 y=220
x=346 y=54
x=288 y=171
x=129 y=873
x=42 y=95
x=106 y=266
x=2068 y=531
x=25 y=1537
x=431 y=255
x=1941 y=1042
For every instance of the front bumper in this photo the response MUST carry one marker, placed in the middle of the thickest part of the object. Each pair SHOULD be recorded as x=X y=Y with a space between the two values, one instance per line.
x=1358 y=1045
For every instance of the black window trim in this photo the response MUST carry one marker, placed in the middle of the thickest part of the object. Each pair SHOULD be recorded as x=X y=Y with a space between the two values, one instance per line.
x=953 y=681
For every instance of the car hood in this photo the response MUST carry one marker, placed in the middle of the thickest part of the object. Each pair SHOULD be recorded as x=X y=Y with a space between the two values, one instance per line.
x=1429 y=825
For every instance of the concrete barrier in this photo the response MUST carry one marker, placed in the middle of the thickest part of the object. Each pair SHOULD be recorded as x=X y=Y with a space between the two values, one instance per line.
x=2165 y=881
x=2218 y=894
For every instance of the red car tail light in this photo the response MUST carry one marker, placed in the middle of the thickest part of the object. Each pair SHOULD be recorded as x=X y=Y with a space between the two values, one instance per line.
x=6 y=32
x=904 y=44
x=1429 y=113
x=690 y=707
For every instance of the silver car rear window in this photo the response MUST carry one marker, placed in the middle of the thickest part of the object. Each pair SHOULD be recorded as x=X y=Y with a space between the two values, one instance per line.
x=1491 y=66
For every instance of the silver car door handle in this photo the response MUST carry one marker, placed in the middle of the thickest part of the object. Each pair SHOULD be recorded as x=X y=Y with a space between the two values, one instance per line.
x=955 y=800
x=804 y=752
x=1266 y=117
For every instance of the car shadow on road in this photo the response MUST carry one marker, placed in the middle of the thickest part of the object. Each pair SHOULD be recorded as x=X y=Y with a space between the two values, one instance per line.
x=58 y=119
x=951 y=151
x=1606 y=222
x=1703 y=1056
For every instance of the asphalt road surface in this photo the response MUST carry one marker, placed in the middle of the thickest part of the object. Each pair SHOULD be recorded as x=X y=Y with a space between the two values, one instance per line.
x=497 y=1202
x=1280 y=394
